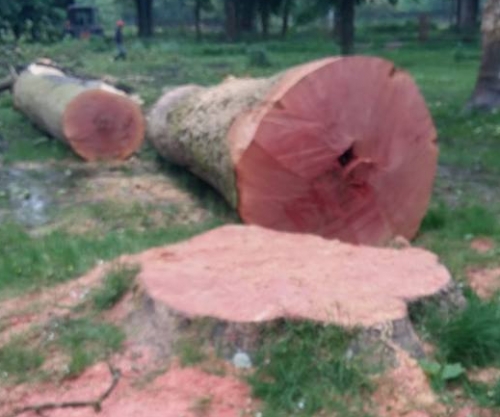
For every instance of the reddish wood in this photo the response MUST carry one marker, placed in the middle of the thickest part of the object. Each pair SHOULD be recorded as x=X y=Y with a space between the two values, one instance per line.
x=340 y=147
x=100 y=125
x=344 y=148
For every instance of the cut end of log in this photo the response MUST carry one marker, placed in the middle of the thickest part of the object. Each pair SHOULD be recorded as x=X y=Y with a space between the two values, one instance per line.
x=344 y=148
x=100 y=125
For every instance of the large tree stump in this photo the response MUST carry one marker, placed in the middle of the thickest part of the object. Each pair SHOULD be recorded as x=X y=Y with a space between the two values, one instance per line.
x=341 y=147
x=96 y=120
x=236 y=281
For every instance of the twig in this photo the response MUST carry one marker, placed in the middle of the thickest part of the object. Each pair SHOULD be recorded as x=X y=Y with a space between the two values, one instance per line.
x=95 y=404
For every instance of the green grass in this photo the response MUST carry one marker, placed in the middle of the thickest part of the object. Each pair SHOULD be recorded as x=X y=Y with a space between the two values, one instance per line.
x=470 y=337
x=304 y=369
x=115 y=285
x=18 y=362
x=30 y=262
x=87 y=341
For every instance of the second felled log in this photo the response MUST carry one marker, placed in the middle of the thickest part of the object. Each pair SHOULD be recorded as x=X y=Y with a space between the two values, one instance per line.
x=96 y=120
x=340 y=147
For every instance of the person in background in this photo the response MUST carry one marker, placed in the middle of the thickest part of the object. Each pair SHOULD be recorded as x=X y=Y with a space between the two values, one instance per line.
x=121 y=52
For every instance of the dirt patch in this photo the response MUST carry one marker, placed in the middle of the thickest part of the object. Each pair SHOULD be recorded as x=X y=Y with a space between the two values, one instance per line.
x=482 y=244
x=453 y=184
x=187 y=392
x=405 y=391
x=485 y=282
x=94 y=197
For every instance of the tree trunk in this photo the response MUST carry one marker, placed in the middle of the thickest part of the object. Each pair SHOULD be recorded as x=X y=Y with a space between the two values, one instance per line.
x=247 y=10
x=346 y=10
x=264 y=18
x=98 y=121
x=197 y=19
x=231 y=19
x=286 y=18
x=486 y=95
x=467 y=13
x=291 y=155
x=144 y=17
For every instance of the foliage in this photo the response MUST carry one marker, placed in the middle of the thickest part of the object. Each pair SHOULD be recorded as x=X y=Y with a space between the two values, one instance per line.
x=304 y=369
x=115 y=285
x=41 y=19
x=440 y=374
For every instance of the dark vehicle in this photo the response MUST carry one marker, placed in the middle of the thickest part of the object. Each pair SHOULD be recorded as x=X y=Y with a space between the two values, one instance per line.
x=83 y=22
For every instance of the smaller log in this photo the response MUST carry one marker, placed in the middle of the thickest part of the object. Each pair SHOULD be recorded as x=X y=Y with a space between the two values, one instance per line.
x=98 y=121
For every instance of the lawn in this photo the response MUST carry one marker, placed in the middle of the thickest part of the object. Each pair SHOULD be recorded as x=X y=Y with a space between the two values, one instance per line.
x=465 y=204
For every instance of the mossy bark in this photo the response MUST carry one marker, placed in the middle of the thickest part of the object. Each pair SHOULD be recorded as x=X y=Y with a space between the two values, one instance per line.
x=43 y=93
x=189 y=126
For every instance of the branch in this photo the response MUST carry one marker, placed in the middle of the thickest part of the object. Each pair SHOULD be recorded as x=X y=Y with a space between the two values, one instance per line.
x=95 y=404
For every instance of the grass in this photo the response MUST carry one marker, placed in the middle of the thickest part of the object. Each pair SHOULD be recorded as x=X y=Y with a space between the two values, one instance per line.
x=28 y=262
x=470 y=337
x=18 y=361
x=87 y=341
x=115 y=285
x=304 y=369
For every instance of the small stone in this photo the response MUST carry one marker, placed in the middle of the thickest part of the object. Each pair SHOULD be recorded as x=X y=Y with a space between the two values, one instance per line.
x=241 y=360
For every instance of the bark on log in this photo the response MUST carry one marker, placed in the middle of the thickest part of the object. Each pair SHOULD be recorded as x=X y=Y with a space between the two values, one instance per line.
x=341 y=147
x=96 y=120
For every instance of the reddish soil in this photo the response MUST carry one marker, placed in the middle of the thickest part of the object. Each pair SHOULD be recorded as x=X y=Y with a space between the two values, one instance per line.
x=485 y=282
x=482 y=244
x=405 y=392
x=178 y=392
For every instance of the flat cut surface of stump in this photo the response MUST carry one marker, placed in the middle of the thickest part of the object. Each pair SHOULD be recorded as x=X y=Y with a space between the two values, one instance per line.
x=252 y=274
x=341 y=147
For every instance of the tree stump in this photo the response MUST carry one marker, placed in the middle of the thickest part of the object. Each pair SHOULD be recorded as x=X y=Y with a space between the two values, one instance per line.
x=232 y=283
x=340 y=147
x=96 y=120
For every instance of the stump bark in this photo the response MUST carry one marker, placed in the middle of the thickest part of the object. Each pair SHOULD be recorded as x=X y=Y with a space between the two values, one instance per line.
x=96 y=120
x=340 y=147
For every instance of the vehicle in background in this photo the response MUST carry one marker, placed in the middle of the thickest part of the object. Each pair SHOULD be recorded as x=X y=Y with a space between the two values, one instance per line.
x=82 y=22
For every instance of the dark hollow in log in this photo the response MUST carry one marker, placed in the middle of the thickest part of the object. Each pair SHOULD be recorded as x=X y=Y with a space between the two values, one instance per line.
x=96 y=120
x=341 y=147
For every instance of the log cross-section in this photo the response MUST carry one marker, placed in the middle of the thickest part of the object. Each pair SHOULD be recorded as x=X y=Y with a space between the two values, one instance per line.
x=340 y=147
x=95 y=119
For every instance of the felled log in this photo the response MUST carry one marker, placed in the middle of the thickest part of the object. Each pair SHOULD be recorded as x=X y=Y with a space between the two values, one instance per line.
x=340 y=147
x=96 y=120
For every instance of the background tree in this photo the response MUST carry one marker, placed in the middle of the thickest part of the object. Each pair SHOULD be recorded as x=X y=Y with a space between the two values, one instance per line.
x=39 y=19
x=486 y=95
x=144 y=13
x=200 y=6
x=467 y=15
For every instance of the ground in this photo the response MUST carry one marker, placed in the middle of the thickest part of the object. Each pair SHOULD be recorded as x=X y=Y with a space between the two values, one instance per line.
x=59 y=218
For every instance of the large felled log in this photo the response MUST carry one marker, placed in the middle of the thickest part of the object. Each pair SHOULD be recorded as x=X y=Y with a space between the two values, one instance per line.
x=98 y=121
x=341 y=147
